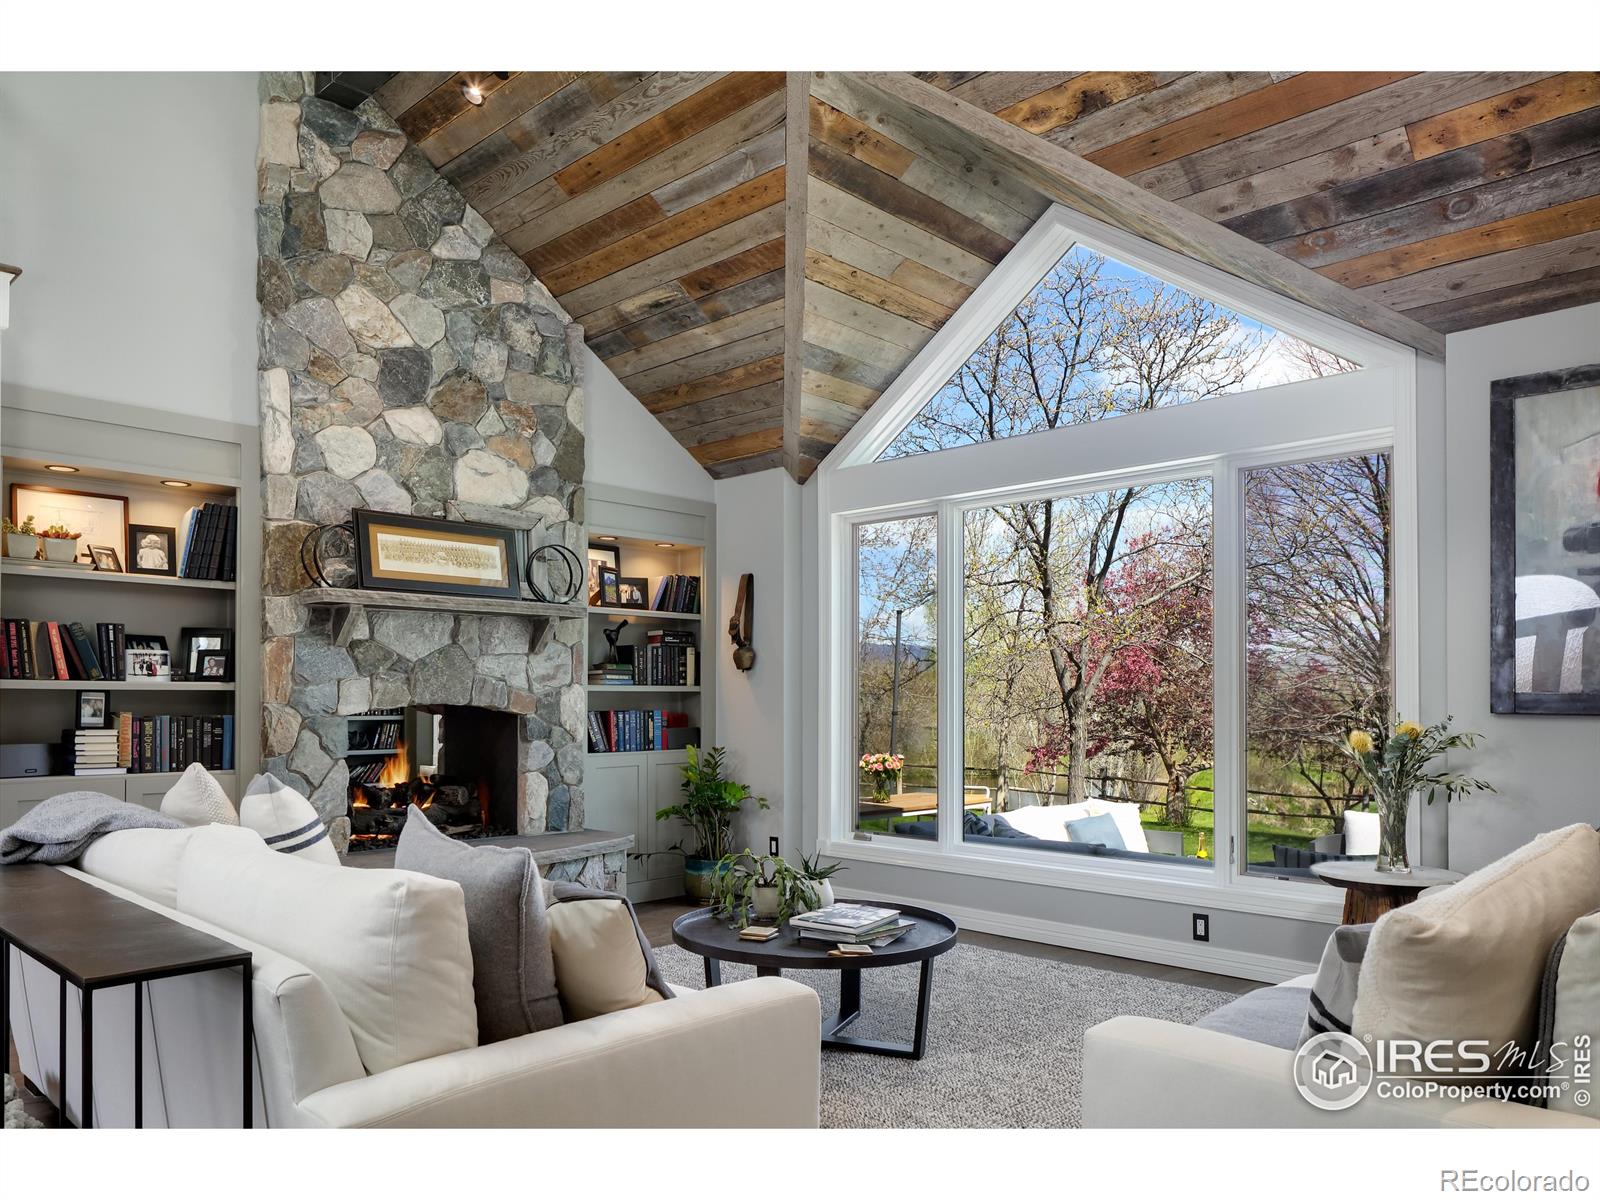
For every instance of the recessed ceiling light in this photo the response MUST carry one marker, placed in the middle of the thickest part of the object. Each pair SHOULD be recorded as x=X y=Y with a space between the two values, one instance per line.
x=61 y=468
x=471 y=91
x=664 y=545
x=173 y=483
x=605 y=537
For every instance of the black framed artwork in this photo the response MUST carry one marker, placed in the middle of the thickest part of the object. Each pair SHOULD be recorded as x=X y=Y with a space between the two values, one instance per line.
x=402 y=553
x=105 y=559
x=602 y=554
x=94 y=710
x=1544 y=542
x=610 y=595
x=194 y=642
x=214 y=666
x=633 y=591
x=152 y=550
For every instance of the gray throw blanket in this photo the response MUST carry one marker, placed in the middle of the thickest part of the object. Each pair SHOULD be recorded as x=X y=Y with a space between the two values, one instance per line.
x=60 y=829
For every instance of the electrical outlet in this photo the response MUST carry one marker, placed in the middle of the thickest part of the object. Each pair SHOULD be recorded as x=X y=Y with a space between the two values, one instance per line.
x=1202 y=927
x=772 y=846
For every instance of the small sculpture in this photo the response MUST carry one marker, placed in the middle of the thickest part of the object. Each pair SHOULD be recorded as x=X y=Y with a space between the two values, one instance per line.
x=741 y=627
x=612 y=634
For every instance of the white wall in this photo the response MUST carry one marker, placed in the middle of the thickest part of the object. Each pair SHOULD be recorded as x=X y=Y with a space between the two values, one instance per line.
x=1547 y=769
x=128 y=200
x=627 y=446
x=758 y=712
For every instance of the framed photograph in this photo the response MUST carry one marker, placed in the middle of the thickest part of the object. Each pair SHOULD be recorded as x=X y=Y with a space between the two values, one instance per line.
x=192 y=643
x=634 y=591
x=1544 y=542
x=610 y=589
x=94 y=710
x=144 y=641
x=602 y=554
x=215 y=666
x=402 y=553
x=152 y=550
x=98 y=518
x=105 y=558
x=150 y=666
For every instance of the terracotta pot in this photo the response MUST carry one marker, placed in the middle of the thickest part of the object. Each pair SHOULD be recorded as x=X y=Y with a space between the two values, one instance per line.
x=60 y=549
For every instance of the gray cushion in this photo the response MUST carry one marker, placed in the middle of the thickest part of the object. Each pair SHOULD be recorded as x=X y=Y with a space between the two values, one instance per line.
x=1100 y=829
x=513 y=973
x=1271 y=1015
x=1332 y=1004
x=1569 y=1015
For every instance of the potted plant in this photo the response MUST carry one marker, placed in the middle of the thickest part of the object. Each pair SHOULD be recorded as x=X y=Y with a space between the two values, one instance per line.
x=818 y=874
x=60 y=543
x=708 y=807
x=1397 y=767
x=764 y=883
x=22 y=541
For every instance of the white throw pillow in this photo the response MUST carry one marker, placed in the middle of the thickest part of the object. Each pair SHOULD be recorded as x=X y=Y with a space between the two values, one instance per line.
x=390 y=945
x=599 y=966
x=198 y=799
x=1360 y=834
x=286 y=821
x=142 y=860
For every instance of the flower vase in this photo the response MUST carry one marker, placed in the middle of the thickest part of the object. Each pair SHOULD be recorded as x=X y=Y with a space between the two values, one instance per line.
x=1393 y=812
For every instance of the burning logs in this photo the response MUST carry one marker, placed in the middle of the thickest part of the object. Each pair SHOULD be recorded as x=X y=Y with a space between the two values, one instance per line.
x=378 y=813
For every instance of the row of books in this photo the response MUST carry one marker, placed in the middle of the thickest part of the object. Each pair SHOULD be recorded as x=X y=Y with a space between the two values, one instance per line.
x=62 y=650
x=134 y=744
x=375 y=735
x=369 y=774
x=669 y=658
x=618 y=731
x=208 y=542
x=677 y=593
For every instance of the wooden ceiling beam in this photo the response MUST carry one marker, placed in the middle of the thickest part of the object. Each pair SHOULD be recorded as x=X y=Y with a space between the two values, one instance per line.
x=1081 y=185
x=797 y=148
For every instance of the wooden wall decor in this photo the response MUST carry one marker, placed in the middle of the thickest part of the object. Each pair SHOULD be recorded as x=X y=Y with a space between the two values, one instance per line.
x=757 y=255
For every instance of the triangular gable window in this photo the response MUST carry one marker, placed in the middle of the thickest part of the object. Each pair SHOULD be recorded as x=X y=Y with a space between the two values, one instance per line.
x=1096 y=339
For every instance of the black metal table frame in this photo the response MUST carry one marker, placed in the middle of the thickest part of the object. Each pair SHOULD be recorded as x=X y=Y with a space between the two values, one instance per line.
x=850 y=1009
x=87 y=990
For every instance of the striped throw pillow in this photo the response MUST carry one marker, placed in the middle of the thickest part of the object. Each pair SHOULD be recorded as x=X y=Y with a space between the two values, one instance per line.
x=1333 y=996
x=285 y=820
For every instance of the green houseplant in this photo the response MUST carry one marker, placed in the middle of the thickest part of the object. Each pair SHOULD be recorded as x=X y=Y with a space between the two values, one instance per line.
x=22 y=541
x=1396 y=766
x=764 y=883
x=708 y=807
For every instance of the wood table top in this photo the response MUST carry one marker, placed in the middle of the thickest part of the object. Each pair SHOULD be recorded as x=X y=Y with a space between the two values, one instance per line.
x=712 y=937
x=96 y=939
x=1365 y=874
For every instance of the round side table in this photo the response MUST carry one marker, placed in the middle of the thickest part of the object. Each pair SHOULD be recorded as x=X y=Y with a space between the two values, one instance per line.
x=1369 y=892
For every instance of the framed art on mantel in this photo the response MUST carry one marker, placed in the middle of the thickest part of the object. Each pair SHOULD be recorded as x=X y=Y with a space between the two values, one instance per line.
x=1544 y=538
x=403 y=553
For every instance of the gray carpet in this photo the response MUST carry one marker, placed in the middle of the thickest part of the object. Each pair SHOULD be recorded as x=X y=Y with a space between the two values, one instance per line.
x=1005 y=1039
x=15 y=1117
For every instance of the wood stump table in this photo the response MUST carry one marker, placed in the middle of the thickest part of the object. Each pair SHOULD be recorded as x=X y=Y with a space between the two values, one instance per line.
x=1369 y=892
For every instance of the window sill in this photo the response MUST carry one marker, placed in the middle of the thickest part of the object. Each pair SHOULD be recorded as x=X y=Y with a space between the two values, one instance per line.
x=1266 y=897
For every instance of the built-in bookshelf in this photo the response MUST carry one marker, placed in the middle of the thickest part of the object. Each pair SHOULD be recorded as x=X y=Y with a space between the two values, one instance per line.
x=163 y=466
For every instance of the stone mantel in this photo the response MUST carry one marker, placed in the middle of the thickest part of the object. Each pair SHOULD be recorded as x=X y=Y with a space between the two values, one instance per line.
x=348 y=605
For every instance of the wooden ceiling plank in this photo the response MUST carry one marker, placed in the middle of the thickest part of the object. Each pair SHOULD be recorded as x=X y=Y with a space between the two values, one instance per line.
x=925 y=281
x=690 y=115
x=405 y=88
x=523 y=209
x=444 y=104
x=865 y=317
x=1394 y=229
x=838 y=242
x=1314 y=173
x=933 y=181
x=870 y=289
x=735 y=269
x=734 y=379
x=827 y=361
x=1246 y=114
x=945 y=80
x=1079 y=96
x=1090 y=189
x=760 y=398
x=543 y=149
x=751 y=293
x=740 y=447
x=1489 y=273
x=834 y=412
x=731 y=425
x=693 y=341
x=702 y=251
x=1139 y=114
x=854 y=343
x=849 y=136
x=840 y=391
x=744 y=466
x=1324 y=129
x=1001 y=89
x=740 y=201
x=796 y=204
x=500 y=107
x=586 y=239
x=1524 y=300
x=663 y=324
x=679 y=161
x=1506 y=113
x=646 y=303
x=1526 y=229
x=1441 y=175
x=708 y=362
x=754 y=158
x=867 y=221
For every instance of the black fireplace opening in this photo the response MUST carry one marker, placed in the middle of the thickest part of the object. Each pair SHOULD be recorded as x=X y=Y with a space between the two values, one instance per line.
x=456 y=762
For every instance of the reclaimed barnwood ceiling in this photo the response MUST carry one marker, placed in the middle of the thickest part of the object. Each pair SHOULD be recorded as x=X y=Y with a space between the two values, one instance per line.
x=653 y=205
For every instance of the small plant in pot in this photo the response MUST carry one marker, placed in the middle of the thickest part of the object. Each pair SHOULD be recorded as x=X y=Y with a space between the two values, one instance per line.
x=22 y=541
x=820 y=875
x=765 y=885
x=708 y=807
x=60 y=543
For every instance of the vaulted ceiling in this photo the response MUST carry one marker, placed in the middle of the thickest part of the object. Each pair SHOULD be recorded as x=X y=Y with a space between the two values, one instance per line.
x=756 y=256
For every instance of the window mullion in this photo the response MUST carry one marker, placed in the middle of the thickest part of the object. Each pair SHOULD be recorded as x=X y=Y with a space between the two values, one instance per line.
x=1228 y=776
x=950 y=650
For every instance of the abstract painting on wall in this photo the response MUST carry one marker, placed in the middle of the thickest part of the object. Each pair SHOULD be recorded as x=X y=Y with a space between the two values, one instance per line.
x=1544 y=521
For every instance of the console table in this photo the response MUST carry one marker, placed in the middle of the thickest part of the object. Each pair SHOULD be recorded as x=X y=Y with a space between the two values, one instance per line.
x=95 y=940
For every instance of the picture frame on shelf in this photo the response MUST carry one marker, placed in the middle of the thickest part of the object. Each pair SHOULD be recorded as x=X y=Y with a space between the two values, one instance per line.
x=398 y=552
x=106 y=559
x=193 y=642
x=149 y=666
x=215 y=666
x=610 y=594
x=93 y=709
x=602 y=554
x=152 y=550
x=100 y=518
x=144 y=641
x=633 y=591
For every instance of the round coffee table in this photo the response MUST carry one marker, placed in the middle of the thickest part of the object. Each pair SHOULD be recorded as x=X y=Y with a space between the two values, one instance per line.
x=1369 y=892
x=713 y=939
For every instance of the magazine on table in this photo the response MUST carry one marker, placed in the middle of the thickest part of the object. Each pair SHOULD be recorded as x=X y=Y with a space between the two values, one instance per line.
x=845 y=918
x=880 y=936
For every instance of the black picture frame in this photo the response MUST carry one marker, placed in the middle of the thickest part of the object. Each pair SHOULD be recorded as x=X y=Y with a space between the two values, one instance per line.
x=504 y=581
x=105 y=559
x=1505 y=395
x=633 y=592
x=602 y=554
x=215 y=666
x=144 y=641
x=610 y=588
x=90 y=715
x=196 y=640
x=142 y=554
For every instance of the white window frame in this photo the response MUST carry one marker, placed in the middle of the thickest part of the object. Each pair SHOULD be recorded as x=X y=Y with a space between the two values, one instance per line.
x=1363 y=411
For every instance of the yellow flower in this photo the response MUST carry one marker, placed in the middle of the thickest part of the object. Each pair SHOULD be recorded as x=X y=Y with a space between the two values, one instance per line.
x=1408 y=729
x=1361 y=741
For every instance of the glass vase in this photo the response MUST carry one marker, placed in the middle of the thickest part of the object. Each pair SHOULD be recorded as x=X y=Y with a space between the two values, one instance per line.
x=1393 y=812
x=880 y=789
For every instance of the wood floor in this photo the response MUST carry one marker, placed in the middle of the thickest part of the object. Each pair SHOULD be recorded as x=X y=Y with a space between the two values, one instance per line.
x=656 y=918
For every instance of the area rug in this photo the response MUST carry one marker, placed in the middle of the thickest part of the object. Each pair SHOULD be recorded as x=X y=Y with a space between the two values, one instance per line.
x=15 y=1117
x=1005 y=1037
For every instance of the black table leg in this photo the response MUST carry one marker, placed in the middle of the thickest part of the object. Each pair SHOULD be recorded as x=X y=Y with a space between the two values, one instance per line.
x=850 y=1009
x=713 y=973
x=768 y=972
x=61 y=1064
x=138 y=1055
x=247 y=1024
x=86 y=1053
x=849 y=1000
x=5 y=1007
x=924 y=1002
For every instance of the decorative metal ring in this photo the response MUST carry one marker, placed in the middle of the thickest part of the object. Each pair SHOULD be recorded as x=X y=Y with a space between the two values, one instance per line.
x=574 y=568
x=312 y=550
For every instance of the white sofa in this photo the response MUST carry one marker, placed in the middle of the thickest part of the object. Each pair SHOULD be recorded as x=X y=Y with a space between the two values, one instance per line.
x=662 y=1064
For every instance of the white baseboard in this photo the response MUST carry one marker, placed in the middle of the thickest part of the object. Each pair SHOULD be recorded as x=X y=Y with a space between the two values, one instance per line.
x=1199 y=956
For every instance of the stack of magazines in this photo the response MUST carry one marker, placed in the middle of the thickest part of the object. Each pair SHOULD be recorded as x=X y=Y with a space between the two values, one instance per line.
x=861 y=924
